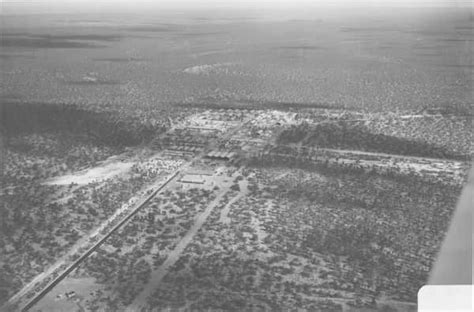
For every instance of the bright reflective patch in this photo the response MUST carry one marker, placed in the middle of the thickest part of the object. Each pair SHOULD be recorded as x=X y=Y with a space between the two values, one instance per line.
x=446 y=298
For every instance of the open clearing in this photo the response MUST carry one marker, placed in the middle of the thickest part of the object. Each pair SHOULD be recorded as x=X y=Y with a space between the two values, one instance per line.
x=56 y=300
x=96 y=174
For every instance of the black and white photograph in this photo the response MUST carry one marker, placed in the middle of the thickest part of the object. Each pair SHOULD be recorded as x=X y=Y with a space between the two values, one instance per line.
x=225 y=155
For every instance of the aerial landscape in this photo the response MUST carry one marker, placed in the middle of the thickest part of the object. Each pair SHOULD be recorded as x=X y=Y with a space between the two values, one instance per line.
x=230 y=160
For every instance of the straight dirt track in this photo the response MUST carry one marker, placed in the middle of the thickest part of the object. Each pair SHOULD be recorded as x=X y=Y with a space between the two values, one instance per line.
x=86 y=254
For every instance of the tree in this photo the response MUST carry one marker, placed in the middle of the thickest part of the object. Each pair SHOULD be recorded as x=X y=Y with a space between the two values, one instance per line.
x=93 y=212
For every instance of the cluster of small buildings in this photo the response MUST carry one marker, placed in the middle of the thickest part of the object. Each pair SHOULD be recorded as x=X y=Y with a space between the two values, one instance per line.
x=185 y=148
x=196 y=176
x=67 y=295
x=221 y=155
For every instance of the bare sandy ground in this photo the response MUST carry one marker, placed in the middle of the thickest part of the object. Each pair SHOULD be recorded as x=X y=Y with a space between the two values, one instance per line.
x=103 y=172
x=56 y=300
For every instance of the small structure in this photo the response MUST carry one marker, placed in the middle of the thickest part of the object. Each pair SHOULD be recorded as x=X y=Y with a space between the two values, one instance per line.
x=190 y=178
x=200 y=172
x=204 y=129
x=220 y=155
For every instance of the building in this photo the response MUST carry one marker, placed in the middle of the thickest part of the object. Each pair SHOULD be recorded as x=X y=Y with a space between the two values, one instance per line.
x=191 y=178
x=220 y=155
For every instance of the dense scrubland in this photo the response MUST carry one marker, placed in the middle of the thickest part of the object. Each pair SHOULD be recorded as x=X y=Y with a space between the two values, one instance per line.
x=105 y=128
x=355 y=136
x=315 y=240
x=124 y=266
x=70 y=99
x=393 y=232
x=41 y=222
x=357 y=61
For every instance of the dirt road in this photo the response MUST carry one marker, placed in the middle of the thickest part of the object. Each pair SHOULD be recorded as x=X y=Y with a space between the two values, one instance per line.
x=174 y=255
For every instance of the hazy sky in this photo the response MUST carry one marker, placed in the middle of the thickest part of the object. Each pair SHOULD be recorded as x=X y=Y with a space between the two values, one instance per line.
x=41 y=6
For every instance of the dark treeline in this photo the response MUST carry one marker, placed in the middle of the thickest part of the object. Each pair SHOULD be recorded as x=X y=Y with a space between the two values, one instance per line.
x=409 y=205
x=328 y=168
x=359 y=137
x=103 y=127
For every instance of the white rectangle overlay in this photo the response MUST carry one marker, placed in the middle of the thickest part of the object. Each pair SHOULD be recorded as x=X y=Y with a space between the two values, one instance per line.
x=455 y=298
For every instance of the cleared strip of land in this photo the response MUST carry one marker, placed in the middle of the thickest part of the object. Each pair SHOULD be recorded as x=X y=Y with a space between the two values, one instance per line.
x=174 y=255
x=96 y=245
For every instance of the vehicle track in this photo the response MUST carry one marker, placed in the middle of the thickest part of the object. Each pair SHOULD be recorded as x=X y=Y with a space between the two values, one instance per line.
x=37 y=297
x=174 y=256
x=93 y=248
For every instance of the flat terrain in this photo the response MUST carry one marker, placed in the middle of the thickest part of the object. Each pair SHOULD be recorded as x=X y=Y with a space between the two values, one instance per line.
x=374 y=60
x=301 y=232
x=107 y=171
x=228 y=163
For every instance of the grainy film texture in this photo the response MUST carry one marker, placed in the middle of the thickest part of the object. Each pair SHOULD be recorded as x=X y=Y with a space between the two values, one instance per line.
x=188 y=156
